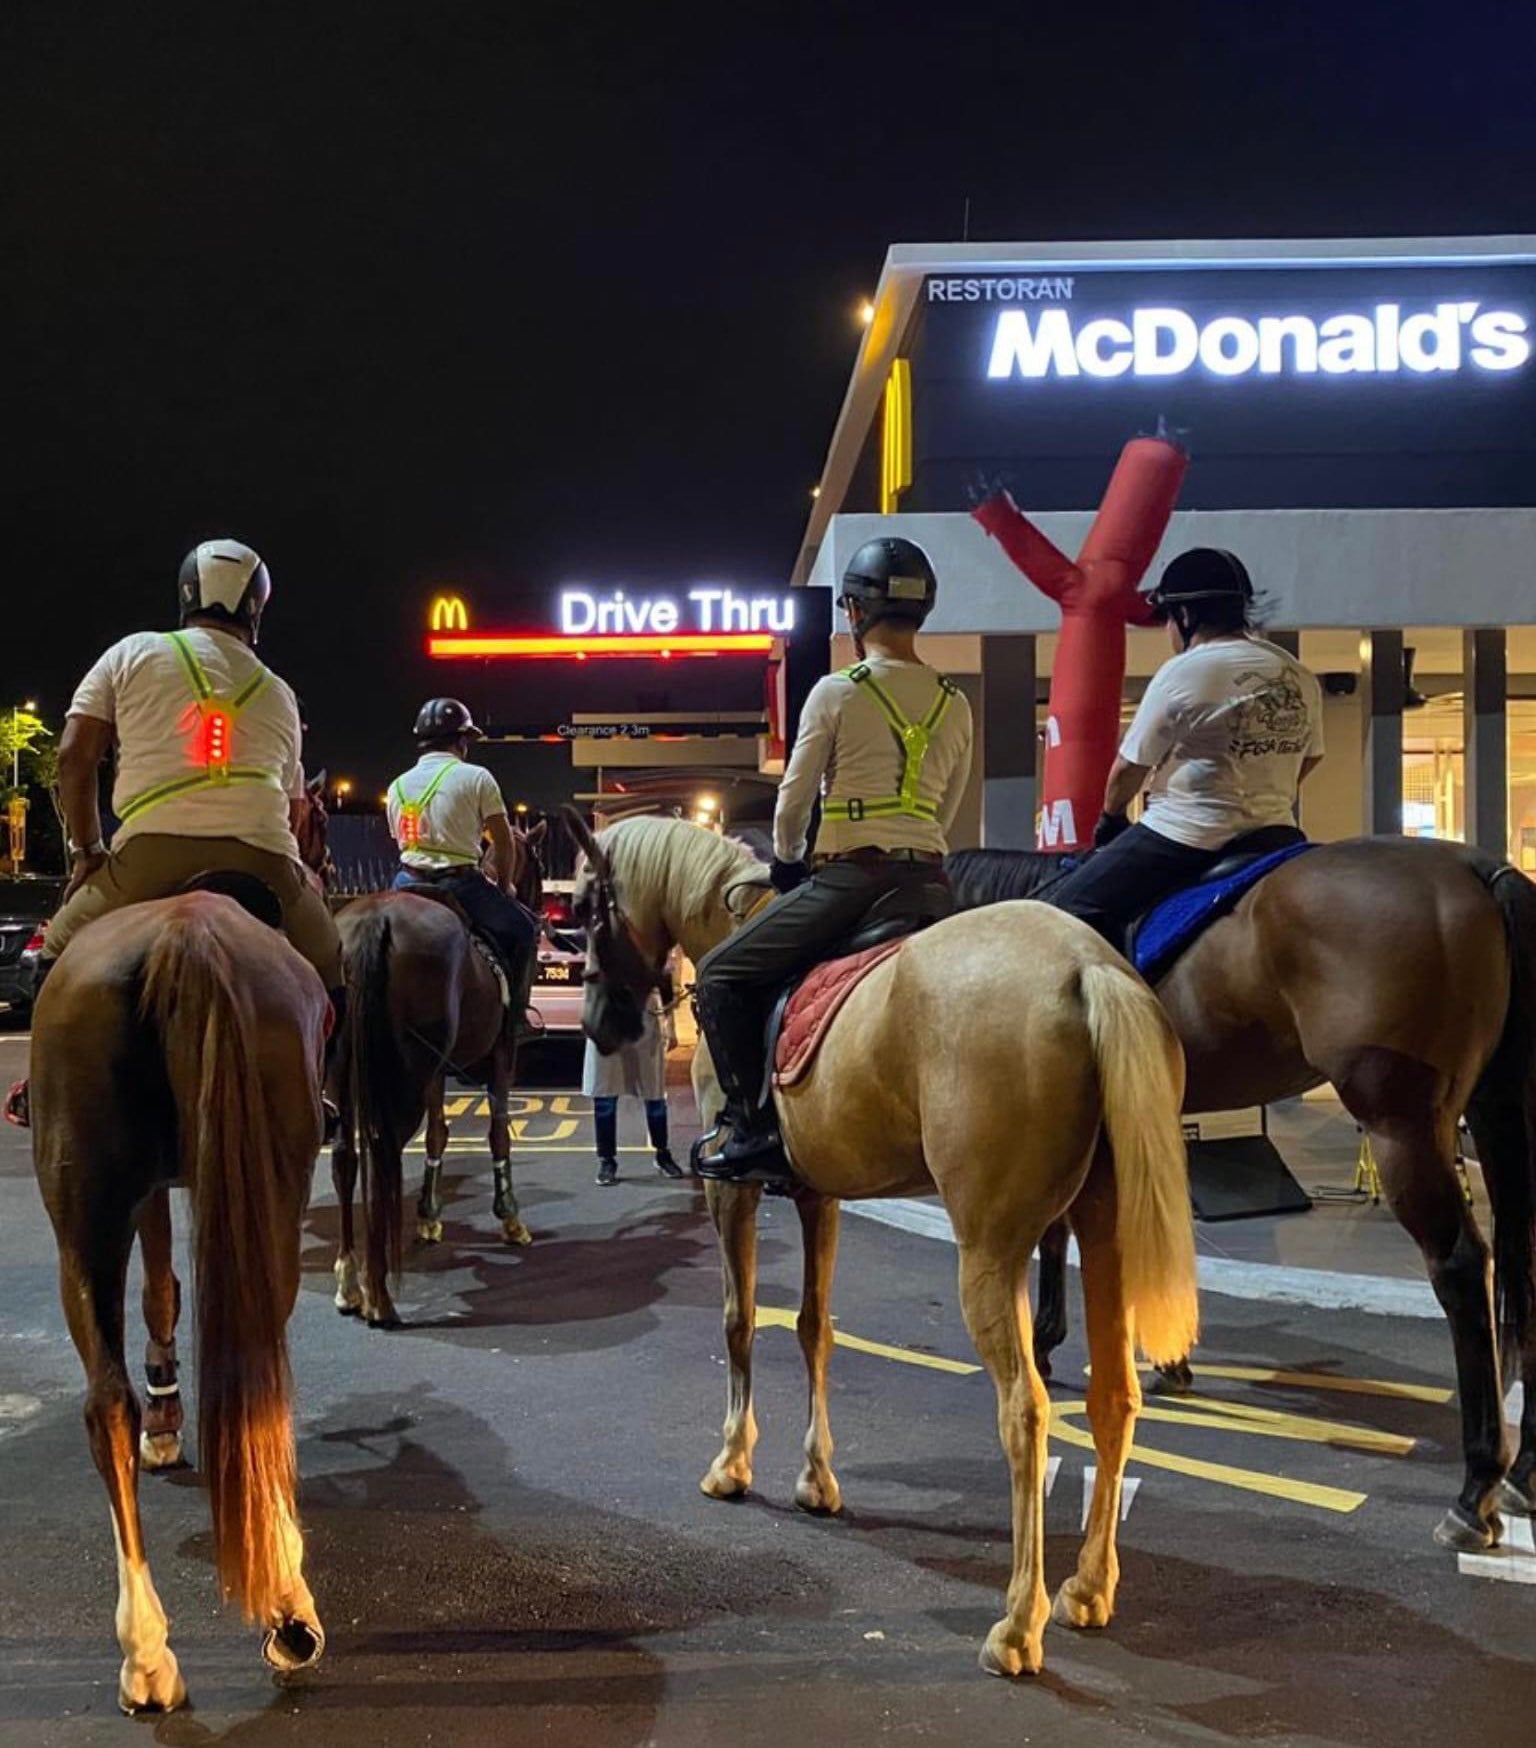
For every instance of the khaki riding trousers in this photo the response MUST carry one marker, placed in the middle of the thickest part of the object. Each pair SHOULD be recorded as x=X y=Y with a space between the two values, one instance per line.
x=155 y=865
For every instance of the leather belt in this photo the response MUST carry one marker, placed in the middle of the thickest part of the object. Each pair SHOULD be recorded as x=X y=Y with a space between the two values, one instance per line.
x=872 y=856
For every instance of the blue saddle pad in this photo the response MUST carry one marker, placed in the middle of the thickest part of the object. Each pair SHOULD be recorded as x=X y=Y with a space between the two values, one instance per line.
x=1175 y=924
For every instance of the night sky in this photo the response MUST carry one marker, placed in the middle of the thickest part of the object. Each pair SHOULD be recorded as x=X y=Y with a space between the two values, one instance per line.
x=506 y=296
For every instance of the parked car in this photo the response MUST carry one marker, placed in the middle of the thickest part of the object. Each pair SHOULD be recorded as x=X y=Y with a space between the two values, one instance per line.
x=557 y=982
x=25 y=905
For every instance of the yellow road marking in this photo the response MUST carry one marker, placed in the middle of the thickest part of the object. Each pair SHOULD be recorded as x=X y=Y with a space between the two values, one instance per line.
x=1322 y=1381
x=1248 y=1480
x=776 y=1317
x=1213 y=1415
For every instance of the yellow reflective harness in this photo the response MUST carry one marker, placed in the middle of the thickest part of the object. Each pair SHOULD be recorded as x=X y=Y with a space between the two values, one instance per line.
x=408 y=833
x=914 y=739
x=213 y=738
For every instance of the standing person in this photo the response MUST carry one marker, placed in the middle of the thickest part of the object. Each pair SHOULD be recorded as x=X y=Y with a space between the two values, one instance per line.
x=637 y=1070
x=1226 y=734
x=437 y=812
x=209 y=778
x=886 y=747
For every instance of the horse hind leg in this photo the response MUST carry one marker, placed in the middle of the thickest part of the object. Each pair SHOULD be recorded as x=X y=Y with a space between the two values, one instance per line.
x=429 y=1204
x=160 y=1439
x=349 y=1291
x=994 y=1294
x=1051 y=1295
x=514 y=1229
x=93 y=1267
x=817 y=1489
x=1419 y=1179
x=1087 y=1599
x=733 y=1209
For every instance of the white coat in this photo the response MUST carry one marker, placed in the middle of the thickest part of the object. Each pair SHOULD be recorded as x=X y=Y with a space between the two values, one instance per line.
x=637 y=1070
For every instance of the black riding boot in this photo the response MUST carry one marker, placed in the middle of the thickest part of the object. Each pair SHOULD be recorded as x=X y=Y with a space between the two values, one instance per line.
x=17 y=1105
x=734 y=1023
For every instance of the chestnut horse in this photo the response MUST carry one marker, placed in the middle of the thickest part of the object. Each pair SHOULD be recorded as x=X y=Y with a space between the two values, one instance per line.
x=1011 y=1062
x=424 y=1004
x=181 y=1041
x=1404 y=972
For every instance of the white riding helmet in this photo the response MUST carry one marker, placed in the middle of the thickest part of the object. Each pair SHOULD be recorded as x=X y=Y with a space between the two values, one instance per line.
x=226 y=579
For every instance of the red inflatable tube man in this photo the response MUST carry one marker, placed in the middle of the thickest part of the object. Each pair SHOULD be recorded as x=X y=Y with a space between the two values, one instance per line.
x=1098 y=597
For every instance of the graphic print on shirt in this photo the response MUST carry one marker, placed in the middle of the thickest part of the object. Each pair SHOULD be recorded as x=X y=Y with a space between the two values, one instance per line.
x=1272 y=721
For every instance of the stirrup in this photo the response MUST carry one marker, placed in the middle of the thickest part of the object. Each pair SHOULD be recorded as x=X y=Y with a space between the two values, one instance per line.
x=18 y=1106
x=752 y=1155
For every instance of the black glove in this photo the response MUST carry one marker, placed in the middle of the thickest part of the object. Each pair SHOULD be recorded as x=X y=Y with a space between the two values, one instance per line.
x=1109 y=828
x=786 y=876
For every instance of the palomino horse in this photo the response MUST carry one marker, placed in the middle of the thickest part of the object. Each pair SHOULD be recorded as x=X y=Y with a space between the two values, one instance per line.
x=181 y=1041
x=1011 y=1062
x=424 y=1003
x=1404 y=972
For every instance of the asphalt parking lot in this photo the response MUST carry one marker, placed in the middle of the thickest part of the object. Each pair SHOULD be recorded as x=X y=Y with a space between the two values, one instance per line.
x=507 y=1540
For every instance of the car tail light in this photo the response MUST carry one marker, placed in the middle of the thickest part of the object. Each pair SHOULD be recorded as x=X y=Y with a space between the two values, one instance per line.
x=557 y=911
x=35 y=944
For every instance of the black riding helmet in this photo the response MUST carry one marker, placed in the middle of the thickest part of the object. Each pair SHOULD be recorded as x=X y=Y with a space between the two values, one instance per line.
x=1204 y=573
x=891 y=578
x=441 y=719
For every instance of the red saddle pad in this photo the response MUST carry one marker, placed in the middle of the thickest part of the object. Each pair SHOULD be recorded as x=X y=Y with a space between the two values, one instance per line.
x=815 y=1004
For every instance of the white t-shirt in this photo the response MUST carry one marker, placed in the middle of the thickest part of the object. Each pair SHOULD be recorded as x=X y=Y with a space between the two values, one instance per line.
x=1225 y=727
x=449 y=826
x=141 y=687
x=847 y=749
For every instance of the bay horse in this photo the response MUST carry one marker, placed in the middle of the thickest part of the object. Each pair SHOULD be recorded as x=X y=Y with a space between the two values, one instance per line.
x=1403 y=971
x=1013 y=1063
x=181 y=1041
x=424 y=1003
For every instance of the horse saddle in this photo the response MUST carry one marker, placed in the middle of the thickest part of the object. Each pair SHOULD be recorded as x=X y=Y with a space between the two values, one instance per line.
x=1167 y=931
x=806 y=1008
x=504 y=973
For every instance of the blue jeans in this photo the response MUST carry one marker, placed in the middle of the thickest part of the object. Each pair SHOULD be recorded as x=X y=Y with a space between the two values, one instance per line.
x=605 y=1120
x=510 y=926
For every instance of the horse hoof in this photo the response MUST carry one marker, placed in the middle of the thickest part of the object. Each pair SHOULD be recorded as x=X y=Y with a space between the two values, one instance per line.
x=1002 y=1656
x=1072 y=1608
x=1518 y=1501
x=349 y=1295
x=294 y=1645
x=819 y=1498
x=1176 y=1380
x=1466 y=1534
x=722 y=1483
x=160 y=1689
x=159 y=1450
x=387 y=1319
x=515 y=1232
x=430 y=1231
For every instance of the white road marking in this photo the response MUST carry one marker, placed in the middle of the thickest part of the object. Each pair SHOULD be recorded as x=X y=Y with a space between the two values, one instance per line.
x=1052 y=1470
x=16 y=1410
x=1273 y=1283
x=1514 y=1563
x=1130 y=1486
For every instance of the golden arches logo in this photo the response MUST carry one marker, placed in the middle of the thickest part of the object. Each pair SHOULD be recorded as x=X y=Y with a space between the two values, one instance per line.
x=450 y=614
x=896 y=438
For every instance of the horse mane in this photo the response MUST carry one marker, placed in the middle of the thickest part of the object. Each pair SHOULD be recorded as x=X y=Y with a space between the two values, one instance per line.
x=672 y=873
x=992 y=876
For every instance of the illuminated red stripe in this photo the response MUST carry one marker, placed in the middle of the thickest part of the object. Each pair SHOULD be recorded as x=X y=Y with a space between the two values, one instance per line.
x=683 y=643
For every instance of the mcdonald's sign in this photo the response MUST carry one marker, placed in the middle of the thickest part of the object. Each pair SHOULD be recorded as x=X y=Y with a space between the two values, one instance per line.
x=450 y=614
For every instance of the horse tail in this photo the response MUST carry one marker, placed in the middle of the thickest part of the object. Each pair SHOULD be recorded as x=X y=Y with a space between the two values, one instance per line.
x=1503 y=1117
x=375 y=1072
x=242 y=1227
x=1141 y=1085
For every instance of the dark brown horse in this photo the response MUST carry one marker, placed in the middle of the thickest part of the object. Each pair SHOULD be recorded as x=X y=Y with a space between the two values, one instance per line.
x=424 y=1004
x=181 y=1041
x=1404 y=972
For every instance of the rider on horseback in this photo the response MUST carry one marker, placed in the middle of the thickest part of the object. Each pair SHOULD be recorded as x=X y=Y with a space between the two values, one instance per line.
x=886 y=747
x=438 y=811
x=209 y=779
x=1225 y=736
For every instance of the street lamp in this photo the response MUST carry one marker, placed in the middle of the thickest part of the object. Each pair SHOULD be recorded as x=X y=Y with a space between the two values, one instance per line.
x=866 y=312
